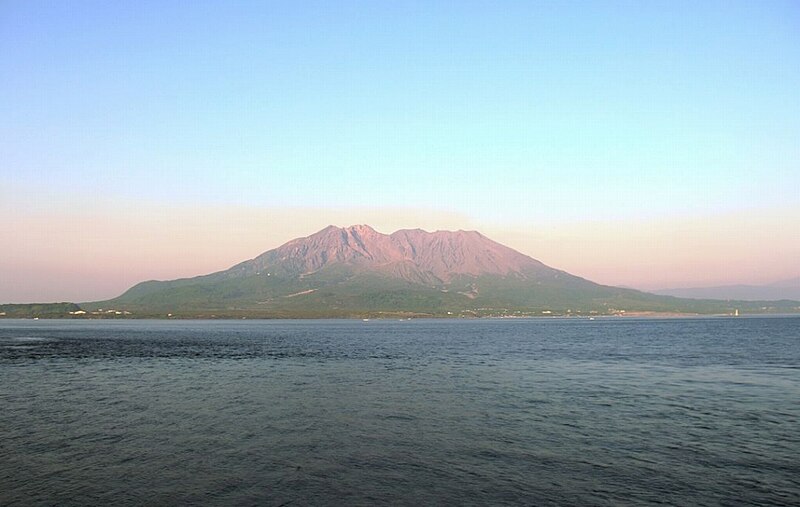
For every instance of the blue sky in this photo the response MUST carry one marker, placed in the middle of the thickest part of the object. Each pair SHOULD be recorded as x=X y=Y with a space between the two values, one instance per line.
x=509 y=114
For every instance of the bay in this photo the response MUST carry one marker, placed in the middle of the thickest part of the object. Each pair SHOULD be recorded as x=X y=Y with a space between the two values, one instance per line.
x=609 y=411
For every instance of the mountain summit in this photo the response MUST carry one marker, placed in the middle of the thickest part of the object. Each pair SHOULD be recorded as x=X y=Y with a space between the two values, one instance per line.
x=358 y=271
x=410 y=254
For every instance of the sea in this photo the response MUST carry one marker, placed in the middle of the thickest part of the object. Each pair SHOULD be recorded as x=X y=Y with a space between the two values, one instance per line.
x=572 y=411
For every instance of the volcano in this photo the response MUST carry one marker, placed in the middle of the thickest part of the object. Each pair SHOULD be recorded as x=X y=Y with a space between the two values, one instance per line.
x=357 y=271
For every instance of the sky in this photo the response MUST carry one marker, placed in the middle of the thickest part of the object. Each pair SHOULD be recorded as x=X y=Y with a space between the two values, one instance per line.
x=646 y=144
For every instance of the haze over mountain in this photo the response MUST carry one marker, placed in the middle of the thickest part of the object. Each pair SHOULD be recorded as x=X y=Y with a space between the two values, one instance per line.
x=783 y=289
x=357 y=270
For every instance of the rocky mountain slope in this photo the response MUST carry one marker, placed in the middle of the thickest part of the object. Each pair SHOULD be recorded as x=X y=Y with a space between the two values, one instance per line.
x=411 y=254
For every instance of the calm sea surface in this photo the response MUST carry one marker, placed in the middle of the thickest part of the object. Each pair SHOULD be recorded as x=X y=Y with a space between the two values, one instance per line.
x=481 y=412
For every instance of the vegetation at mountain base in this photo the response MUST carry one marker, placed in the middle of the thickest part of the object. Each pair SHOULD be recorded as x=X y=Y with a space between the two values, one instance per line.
x=40 y=310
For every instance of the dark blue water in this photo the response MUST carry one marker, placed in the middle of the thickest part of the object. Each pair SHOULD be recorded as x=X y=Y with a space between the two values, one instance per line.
x=480 y=412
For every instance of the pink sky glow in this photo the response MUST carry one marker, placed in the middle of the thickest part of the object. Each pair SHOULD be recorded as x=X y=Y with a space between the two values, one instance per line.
x=96 y=252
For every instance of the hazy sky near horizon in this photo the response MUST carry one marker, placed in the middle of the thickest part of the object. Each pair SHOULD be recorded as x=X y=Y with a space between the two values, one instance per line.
x=649 y=144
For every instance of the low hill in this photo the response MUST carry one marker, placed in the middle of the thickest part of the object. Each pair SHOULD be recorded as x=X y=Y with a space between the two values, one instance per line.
x=39 y=310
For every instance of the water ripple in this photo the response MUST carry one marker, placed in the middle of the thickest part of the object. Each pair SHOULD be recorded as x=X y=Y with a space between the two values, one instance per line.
x=679 y=412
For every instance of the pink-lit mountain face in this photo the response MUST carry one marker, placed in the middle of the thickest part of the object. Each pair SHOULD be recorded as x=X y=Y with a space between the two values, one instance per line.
x=411 y=254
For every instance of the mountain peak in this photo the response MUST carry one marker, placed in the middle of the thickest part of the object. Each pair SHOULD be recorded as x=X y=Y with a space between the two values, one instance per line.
x=360 y=228
x=414 y=253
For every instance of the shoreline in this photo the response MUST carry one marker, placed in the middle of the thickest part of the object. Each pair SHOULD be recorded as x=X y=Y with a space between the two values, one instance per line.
x=370 y=318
